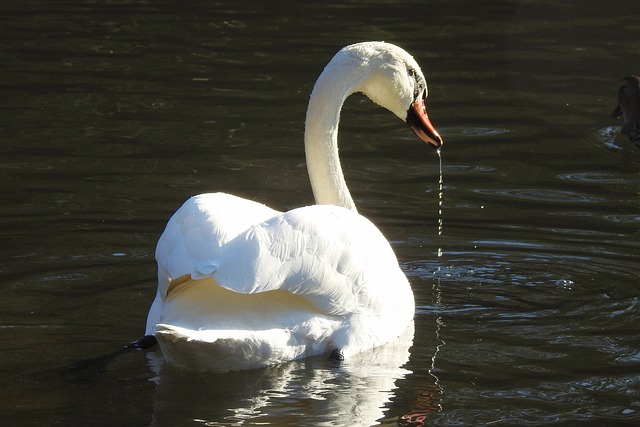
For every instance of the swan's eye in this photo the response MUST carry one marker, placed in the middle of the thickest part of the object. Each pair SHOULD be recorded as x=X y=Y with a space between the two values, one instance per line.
x=419 y=85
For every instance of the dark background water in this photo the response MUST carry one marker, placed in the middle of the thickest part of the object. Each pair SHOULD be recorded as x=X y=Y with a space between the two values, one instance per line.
x=113 y=113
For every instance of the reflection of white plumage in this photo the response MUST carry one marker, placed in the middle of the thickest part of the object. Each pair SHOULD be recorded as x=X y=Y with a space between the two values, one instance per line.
x=242 y=286
x=357 y=394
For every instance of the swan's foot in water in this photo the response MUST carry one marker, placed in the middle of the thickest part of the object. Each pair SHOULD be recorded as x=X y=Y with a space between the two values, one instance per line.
x=336 y=355
x=144 y=343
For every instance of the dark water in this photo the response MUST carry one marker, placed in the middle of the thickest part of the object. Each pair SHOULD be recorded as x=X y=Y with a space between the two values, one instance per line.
x=526 y=277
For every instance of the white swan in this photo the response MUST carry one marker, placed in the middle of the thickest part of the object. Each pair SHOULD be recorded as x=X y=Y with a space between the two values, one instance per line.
x=243 y=286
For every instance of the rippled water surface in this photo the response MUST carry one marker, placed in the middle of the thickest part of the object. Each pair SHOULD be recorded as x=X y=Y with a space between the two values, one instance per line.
x=525 y=264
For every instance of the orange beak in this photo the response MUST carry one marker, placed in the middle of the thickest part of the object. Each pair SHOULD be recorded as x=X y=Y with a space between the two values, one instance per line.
x=418 y=120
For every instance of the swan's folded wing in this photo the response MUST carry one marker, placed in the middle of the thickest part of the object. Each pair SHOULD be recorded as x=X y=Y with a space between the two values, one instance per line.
x=335 y=258
x=196 y=232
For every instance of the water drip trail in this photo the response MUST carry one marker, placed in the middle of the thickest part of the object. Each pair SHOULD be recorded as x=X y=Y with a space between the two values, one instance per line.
x=436 y=284
x=440 y=201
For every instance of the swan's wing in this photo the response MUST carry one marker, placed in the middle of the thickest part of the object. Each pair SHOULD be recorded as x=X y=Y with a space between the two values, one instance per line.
x=335 y=258
x=196 y=232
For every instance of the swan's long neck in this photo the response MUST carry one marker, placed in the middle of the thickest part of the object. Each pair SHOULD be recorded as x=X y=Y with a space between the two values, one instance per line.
x=333 y=86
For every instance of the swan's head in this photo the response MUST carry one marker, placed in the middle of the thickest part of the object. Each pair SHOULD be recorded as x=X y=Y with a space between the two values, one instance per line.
x=391 y=78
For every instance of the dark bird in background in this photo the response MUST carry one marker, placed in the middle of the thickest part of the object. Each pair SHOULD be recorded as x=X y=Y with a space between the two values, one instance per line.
x=629 y=108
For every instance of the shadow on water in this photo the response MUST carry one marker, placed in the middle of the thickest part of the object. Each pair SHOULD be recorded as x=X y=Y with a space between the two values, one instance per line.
x=92 y=369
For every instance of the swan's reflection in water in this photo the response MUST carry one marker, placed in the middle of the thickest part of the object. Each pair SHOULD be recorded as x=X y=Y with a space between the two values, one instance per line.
x=314 y=391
